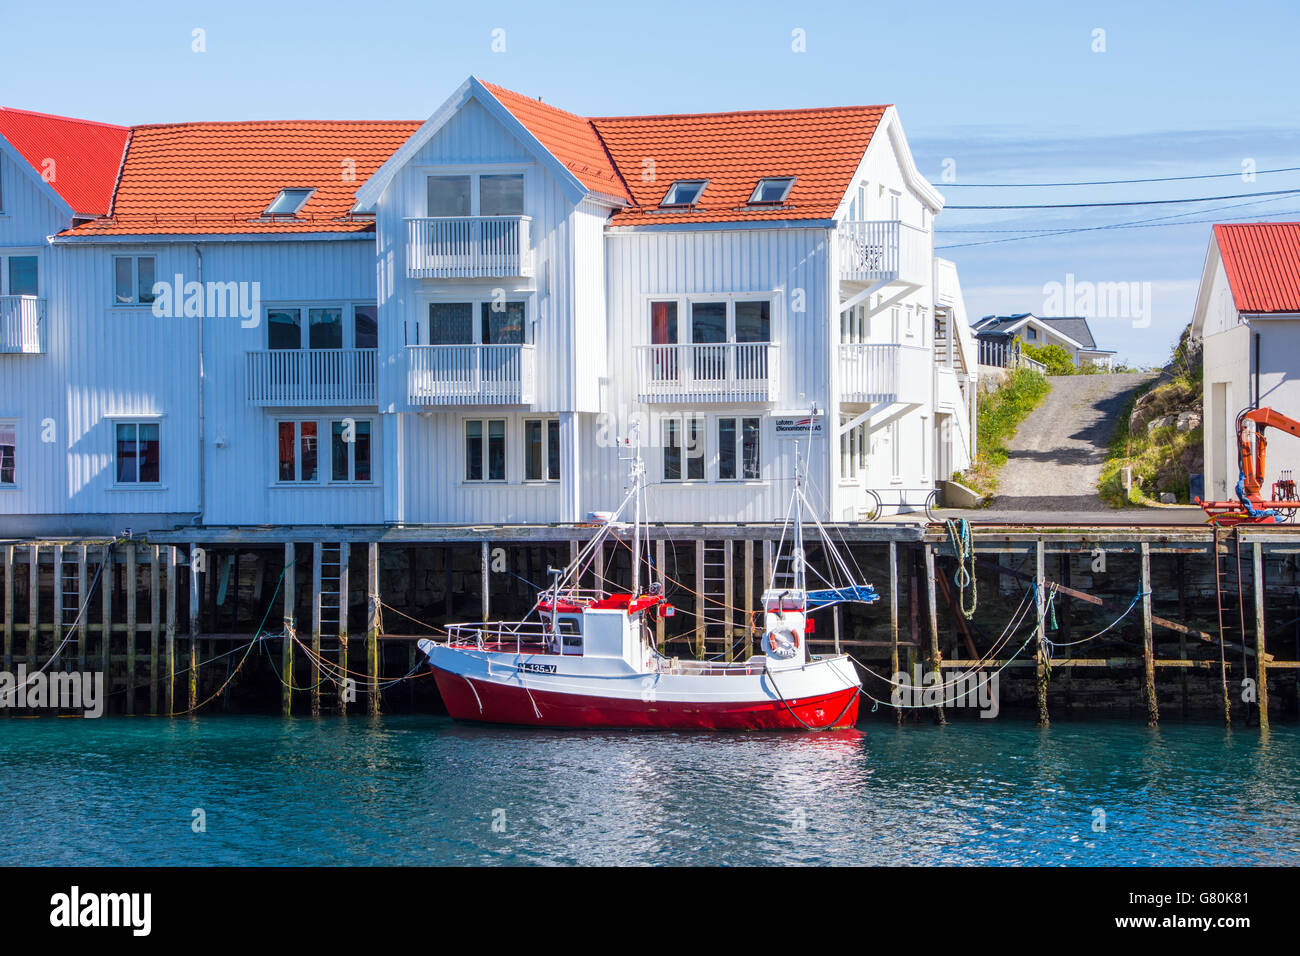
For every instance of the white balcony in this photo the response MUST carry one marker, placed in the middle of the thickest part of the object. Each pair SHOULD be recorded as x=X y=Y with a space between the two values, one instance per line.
x=873 y=373
x=721 y=372
x=311 y=377
x=883 y=251
x=470 y=374
x=467 y=247
x=22 y=324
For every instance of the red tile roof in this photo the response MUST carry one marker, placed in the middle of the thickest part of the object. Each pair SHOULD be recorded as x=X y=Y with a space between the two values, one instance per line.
x=85 y=155
x=218 y=178
x=821 y=147
x=1262 y=261
x=568 y=137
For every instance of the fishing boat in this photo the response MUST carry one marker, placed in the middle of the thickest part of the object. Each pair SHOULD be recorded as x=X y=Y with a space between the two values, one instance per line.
x=586 y=658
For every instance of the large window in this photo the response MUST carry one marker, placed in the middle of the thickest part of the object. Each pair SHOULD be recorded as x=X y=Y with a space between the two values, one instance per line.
x=324 y=326
x=500 y=322
x=485 y=449
x=8 y=454
x=138 y=452
x=19 y=275
x=853 y=451
x=541 y=449
x=683 y=440
x=133 y=279
x=497 y=194
x=727 y=337
x=738 y=449
x=298 y=450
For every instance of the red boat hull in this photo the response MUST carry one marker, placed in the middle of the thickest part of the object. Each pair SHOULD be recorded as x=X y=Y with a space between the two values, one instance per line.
x=488 y=702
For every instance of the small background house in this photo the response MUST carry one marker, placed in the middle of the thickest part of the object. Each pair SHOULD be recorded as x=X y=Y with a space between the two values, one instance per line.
x=996 y=333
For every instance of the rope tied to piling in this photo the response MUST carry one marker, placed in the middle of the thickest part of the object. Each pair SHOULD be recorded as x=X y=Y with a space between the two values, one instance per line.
x=964 y=577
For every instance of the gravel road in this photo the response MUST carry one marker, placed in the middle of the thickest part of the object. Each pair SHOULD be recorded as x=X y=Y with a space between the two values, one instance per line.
x=1055 y=458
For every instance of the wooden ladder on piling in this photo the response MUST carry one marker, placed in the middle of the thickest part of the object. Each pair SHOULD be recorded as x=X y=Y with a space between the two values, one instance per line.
x=72 y=594
x=329 y=637
x=713 y=611
x=1224 y=608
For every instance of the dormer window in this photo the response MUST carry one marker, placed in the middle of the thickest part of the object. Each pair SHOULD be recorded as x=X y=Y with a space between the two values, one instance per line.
x=684 y=192
x=771 y=190
x=289 y=202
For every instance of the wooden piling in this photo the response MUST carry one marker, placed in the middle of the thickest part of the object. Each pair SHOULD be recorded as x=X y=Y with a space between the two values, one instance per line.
x=193 y=673
x=57 y=578
x=290 y=630
x=661 y=550
x=750 y=610
x=485 y=571
x=169 y=656
x=1148 y=641
x=1040 y=664
x=936 y=657
x=700 y=625
x=315 y=627
x=893 y=622
x=83 y=608
x=106 y=612
x=33 y=604
x=1261 y=668
x=8 y=553
x=131 y=569
x=155 y=603
x=345 y=680
x=372 y=626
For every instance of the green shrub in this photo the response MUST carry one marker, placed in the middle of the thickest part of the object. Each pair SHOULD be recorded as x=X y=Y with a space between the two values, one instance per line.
x=1056 y=358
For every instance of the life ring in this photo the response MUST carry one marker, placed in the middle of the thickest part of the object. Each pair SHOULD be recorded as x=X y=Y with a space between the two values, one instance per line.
x=782 y=642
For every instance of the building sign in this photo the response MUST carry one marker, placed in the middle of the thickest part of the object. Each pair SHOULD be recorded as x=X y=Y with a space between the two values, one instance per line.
x=800 y=426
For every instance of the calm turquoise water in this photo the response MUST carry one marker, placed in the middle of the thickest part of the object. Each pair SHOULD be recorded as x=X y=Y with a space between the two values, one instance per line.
x=426 y=790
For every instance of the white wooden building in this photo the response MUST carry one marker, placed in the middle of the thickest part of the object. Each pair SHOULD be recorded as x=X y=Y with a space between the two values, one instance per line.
x=1247 y=319
x=454 y=322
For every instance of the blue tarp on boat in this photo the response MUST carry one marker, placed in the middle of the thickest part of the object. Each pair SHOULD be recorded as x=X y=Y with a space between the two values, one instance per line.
x=863 y=593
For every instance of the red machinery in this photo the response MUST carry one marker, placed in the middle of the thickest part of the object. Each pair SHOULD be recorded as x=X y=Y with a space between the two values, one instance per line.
x=1250 y=508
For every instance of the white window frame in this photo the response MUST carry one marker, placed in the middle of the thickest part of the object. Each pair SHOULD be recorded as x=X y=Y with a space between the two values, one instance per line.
x=789 y=184
x=684 y=322
x=13 y=423
x=115 y=420
x=895 y=454
x=545 y=421
x=476 y=300
x=20 y=252
x=292 y=213
x=475 y=174
x=347 y=309
x=324 y=452
x=135 y=302
x=701 y=452
x=672 y=189
x=739 y=419
x=485 y=420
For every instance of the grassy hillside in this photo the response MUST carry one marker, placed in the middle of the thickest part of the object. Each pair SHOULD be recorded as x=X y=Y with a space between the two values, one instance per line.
x=1159 y=435
x=998 y=414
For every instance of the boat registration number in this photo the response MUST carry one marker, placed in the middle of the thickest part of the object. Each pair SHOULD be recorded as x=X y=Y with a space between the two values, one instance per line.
x=537 y=668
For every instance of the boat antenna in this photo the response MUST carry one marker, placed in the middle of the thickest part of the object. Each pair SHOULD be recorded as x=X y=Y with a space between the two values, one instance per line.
x=636 y=472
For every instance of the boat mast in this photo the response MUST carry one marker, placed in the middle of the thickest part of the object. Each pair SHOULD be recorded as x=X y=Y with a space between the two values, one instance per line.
x=799 y=581
x=638 y=483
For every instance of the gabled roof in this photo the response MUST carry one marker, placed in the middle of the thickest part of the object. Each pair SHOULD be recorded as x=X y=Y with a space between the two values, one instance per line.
x=1074 y=328
x=79 y=157
x=1262 y=261
x=568 y=137
x=821 y=148
x=218 y=178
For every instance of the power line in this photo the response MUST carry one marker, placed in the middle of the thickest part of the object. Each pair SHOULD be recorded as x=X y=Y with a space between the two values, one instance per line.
x=1118 y=182
x=1142 y=202
x=1176 y=215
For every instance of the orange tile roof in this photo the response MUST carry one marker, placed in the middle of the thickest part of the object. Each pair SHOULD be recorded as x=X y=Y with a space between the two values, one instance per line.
x=1262 y=260
x=85 y=155
x=568 y=137
x=218 y=178
x=821 y=147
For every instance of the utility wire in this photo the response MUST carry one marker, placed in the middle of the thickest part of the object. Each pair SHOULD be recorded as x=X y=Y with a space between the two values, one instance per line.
x=1117 y=182
x=1136 y=202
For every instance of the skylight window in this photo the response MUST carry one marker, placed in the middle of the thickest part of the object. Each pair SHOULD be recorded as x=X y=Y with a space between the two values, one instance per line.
x=289 y=202
x=684 y=192
x=772 y=190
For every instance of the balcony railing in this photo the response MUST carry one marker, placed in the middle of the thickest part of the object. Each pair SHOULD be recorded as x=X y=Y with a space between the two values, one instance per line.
x=883 y=251
x=721 y=372
x=22 y=323
x=306 y=377
x=885 y=372
x=466 y=247
x=1007 y=355
x=470 y=374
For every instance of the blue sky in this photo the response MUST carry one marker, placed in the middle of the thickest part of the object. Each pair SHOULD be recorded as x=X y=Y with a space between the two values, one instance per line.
x=993 y=93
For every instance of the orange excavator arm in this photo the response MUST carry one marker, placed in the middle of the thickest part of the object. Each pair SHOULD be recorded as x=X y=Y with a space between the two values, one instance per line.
x=1252 y=458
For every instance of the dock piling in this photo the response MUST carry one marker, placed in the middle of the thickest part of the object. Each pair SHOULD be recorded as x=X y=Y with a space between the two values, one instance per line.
x=1148 y=642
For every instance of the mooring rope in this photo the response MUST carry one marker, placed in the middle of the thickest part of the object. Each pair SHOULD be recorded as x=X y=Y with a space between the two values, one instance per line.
x=964 y=577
